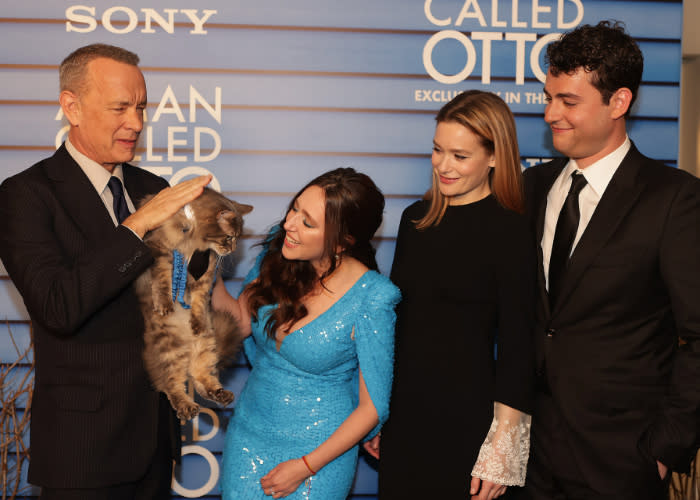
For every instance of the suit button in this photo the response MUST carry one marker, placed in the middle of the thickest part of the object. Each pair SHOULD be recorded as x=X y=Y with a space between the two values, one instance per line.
x=551 y=332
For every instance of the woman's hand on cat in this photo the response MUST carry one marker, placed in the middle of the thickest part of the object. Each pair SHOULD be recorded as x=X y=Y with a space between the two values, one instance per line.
x=221 y=300
x=285 y=478
x=166 y=203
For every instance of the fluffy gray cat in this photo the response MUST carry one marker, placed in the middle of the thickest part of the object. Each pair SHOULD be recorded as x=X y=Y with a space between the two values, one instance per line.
x=191 y=339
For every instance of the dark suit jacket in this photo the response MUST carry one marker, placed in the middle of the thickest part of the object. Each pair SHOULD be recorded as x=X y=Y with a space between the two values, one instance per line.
x=628 y=392
x=94 y=414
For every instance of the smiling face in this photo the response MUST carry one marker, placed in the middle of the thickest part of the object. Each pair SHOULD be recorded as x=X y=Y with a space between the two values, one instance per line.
x=305 y=228
x=106 y=117
x=461 y=164
x=583 y=126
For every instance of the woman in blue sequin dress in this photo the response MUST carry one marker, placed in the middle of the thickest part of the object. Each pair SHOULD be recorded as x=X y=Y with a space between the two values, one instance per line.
x=321 y=347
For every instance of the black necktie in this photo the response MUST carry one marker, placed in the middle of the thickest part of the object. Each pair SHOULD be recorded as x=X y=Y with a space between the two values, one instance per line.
x=564 y=236
x=121 y=211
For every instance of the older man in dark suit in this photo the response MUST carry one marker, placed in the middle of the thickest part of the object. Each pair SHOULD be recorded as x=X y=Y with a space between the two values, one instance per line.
x=619 y=283
x=71 y=241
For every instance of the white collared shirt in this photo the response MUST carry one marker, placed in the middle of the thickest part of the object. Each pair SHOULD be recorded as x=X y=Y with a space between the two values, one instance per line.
x=598 y=176
x=99 y=177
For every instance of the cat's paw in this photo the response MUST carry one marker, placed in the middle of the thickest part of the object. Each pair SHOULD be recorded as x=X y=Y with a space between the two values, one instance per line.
x=187 y=411
x=222 y=396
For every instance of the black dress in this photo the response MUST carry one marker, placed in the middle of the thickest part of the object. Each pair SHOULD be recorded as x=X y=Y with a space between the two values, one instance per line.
x=467 y=284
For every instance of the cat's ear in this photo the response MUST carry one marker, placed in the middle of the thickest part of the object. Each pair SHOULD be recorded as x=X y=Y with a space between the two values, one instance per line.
x=242 y=208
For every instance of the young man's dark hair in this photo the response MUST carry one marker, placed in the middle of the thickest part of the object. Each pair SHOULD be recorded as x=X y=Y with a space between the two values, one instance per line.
x=606 y=51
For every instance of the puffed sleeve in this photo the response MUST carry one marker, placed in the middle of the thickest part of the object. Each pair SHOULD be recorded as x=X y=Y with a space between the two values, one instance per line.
x=374 y=338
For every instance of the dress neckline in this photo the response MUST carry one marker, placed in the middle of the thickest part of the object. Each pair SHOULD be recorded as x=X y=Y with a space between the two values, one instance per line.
x=473 y=204
x=279 y=344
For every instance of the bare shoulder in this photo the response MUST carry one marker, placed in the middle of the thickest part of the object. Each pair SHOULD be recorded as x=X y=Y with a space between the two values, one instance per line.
x=345 y=276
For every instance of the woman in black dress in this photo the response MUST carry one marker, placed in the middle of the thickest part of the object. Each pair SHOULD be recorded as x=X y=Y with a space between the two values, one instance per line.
x=465 y=264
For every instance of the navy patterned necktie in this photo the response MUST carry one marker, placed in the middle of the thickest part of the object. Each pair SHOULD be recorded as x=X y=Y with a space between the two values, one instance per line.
x=564 y=235
x=121 y=211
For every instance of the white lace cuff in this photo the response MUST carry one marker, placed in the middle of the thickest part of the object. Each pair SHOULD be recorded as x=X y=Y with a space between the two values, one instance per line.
x=503 y=456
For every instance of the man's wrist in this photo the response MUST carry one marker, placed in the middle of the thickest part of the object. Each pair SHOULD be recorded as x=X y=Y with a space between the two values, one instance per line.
x=134 y=229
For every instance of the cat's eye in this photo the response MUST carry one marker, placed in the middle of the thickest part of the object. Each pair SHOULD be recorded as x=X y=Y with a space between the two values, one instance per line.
x=185 y=229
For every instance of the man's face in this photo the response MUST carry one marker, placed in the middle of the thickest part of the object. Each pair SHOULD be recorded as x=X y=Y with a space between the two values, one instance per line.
x=107 y=115
x=583 y=127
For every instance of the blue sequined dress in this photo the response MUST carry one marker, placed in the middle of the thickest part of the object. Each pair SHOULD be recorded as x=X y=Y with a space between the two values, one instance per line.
x=295 y=398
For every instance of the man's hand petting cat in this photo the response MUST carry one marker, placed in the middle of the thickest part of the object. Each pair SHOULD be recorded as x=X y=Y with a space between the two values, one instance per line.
x=164 y=204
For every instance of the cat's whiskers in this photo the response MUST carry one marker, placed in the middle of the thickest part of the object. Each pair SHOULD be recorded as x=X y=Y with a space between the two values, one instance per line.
x=227 y=266
x=219 y=260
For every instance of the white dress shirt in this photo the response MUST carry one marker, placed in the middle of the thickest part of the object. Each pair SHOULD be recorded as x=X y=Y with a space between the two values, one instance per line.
x=598 y=177
x=99 y=177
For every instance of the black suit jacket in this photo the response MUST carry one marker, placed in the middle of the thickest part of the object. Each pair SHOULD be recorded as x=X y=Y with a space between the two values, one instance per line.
x=629 y=394
x=94 y=413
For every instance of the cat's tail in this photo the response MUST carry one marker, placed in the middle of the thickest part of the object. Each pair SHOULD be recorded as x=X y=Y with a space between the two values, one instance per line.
x=228 y=337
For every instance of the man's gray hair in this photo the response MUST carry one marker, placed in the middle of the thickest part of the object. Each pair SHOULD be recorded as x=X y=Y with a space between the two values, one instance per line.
x=73 y=69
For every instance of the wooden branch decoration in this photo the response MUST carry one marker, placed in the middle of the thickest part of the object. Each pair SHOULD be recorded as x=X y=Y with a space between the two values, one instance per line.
x=15 y=387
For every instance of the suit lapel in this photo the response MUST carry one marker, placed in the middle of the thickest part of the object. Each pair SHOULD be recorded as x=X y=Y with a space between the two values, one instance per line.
x=136 y=190
x=78 y=196
x=617 y=200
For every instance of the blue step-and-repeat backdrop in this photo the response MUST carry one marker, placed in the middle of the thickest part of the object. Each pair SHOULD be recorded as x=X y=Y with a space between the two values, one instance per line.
x=267 y=94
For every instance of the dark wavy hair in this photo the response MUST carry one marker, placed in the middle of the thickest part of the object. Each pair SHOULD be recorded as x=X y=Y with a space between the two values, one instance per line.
x=606 y=51
x=354 y=210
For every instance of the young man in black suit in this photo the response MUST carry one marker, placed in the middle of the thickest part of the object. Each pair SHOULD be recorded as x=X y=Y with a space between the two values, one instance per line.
x=619 y=283
x=71 y=241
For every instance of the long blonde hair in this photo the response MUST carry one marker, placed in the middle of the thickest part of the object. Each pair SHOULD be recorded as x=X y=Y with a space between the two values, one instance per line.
x=487 y=116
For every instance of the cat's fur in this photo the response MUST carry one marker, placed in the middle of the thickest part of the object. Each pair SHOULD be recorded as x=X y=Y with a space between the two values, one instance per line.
x=195 y=342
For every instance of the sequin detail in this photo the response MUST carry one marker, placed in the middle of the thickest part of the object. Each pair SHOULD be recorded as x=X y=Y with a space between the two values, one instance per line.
x=297 y=396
